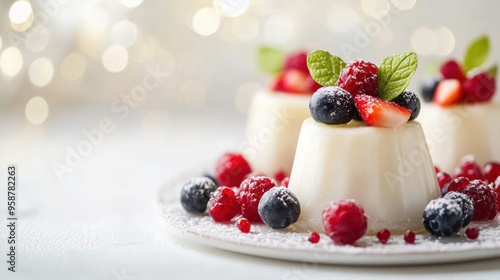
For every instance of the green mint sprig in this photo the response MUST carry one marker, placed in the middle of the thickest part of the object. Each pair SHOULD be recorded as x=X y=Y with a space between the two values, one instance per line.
x=324 y=67
x=395 y=73
x=270 y=60
x=477 y=53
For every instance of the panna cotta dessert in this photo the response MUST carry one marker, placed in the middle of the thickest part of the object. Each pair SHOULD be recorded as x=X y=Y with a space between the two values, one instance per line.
x=460 y=116
x=276 y=115
x=381 y=161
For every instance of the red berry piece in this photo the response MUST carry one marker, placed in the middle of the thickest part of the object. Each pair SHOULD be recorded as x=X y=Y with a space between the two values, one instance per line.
x=484 y=198
x=314 y=237
x=479 y=88
x=344 y=222
x=378 y=112
x=280 y=176
x=491 y=171
x=285 y=182
x=452 y=70
x=448 y=92
x=251 y=191
x=409 y=237
x=458 y=184
x=468 y=169
x=359 y=77
x=253 y=174
x=223 y=205
x=297 y=61
x=436 y=169
x=231 y=169
x=243 y=225
x=383 y=235
x=443 y=179
x=472 y=233
x=295 y=81
x=497 y=190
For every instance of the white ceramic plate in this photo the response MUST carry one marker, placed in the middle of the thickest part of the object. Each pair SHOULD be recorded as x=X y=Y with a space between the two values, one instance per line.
x=290 y=244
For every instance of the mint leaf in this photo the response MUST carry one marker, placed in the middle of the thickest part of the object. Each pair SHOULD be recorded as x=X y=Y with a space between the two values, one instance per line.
x=394 y=74
x=493 y=70
x=270 y=60
x=476 y=53
x=324 y=67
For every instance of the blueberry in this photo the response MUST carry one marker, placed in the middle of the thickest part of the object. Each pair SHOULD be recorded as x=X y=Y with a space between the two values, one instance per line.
x=428 y=88
x=211 y=177
x=409 y=100
x=443 y=217
x=332 y=105
x=279 y=208
x=196 y=193
x=466 y=204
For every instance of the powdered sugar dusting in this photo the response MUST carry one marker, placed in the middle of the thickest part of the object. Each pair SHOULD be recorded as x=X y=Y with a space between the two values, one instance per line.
x=292 y=244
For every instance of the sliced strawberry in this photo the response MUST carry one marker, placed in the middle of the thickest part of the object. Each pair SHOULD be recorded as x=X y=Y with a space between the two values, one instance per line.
x=295 y=81
x=452 y=70
x=378 y=112
x=448 y=92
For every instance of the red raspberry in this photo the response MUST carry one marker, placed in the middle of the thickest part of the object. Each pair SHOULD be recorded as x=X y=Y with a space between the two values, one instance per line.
x=314 y=237
x=383 y=235
x=231 y=169
x=359 y=77
x=479 y=88
x=409 y=237
x=497 y=190
x=484 y=198
x=251 y=190
x=223 y=205
x=443 y=179
x=491 y=171
x=468 y=169
x=436 y=169
x=452 y=70
x=472 y=232
x=280 y=176
x=297 y=61
x=243 y=225
x=458 y=184
x=344 y=222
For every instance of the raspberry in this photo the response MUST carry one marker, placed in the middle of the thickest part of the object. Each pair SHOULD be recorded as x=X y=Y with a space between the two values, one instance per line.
x=452 y=70
x=344 y=222
x=491 y=171
x=251 y=191
x=472 y=233
x=383 y=235
x=231 y=169
x=243 y=225
x=457 y=184
x=314 y=237
x=280 y=176
x=297 y=61
x=443 y=179
x=469 y=169
x=409 y=237
x=484 y=198
x=223 y=205
x=479 y=88
x=359 y=77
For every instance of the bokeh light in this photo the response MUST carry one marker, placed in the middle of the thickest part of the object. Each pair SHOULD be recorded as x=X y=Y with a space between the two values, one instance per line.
x=20 y=12
x=278 y=29
x=446 y=40
x=424 y=41
x=11 y=61
x=193 y=94
x=130 y=3
x=155 y=125
x=37 y=110
x=231 y=8
x=341 y=18
x=206 y=21
x=41 y=72
x=375 y=8
x=115 y=58
x=404 y=4
x=38 y=39
x=123 y=33
x=73 y=67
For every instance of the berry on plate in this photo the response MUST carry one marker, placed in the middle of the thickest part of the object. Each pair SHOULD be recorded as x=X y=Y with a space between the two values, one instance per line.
x=409 y=237
x=383 y=235
x=472 y=233
x=231 y=169
x=332 y=105
x=196 y=193
x=409 y=100
x=443 y=217
x=484 y=198
x=448 y=92
x=491 y=171
x=466 y=205
x=251 y=191
x=378 y=112
x=360 y=77
x=279 y=208
x=344 y=221
x=243 y=225
x=443 y=179
x=223 y=205
x=314 y=237
x=469 y=169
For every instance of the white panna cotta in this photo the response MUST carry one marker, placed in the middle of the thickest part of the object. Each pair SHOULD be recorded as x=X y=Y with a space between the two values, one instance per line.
x=388 y=171
x=464 y=129
x=273 y=127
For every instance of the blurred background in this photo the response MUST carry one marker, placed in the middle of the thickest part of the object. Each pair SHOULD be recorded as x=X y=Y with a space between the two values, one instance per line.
x=102 y=101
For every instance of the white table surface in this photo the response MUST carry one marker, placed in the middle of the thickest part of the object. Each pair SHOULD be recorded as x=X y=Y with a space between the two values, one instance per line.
x=100 y=222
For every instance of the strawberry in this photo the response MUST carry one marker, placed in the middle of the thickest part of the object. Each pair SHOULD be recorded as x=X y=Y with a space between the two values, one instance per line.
x=448 y=92
x=452 y=70
x=295 y=81
x=378 y=112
